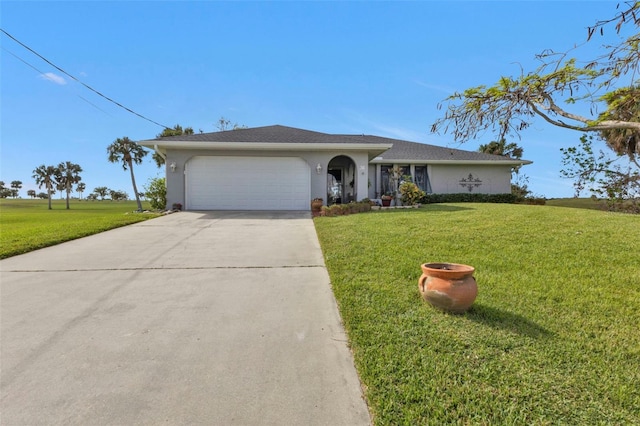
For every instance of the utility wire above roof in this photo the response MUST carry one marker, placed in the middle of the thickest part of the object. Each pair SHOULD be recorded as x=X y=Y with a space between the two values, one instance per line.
x=77 y=80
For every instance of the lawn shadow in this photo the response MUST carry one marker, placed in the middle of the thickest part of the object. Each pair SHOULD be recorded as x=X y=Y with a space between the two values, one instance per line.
x=504 y=320
x=442 y=208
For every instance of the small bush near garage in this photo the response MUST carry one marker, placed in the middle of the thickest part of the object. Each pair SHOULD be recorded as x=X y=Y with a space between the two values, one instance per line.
x=156 y=193
x=345 y=209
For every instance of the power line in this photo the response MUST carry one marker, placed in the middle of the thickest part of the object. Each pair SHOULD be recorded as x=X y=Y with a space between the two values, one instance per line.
x=22 y=60
x=93 y=105
x=77 y=80
x=42 y=73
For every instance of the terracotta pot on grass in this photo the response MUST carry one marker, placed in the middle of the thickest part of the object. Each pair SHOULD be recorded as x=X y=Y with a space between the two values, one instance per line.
x=448 y=286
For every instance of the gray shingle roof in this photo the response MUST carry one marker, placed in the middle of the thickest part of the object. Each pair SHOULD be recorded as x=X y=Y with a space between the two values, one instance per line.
x=267 y=134
x=401 y=150
x=405 y=150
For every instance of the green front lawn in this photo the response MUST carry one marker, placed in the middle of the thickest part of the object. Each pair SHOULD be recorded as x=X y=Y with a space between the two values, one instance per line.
x=27 y=225
x=553 y=337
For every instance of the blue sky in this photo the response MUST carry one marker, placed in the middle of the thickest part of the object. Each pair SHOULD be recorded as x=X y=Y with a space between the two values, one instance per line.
x=375 y=68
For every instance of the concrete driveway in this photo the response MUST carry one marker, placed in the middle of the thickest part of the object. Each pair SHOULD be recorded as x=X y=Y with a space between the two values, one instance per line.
x=213 y=318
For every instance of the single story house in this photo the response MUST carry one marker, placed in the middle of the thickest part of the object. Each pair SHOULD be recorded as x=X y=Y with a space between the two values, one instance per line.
x=283 y=168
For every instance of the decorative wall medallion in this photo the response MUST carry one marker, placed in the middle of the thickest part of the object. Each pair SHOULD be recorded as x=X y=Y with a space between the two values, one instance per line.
x=470 y=182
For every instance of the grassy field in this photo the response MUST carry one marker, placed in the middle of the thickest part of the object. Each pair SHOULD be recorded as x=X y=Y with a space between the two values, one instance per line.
x=579 y=203
x=27 y=225
x=552 y=338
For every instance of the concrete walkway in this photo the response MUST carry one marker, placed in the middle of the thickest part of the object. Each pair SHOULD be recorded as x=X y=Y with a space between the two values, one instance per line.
x=216 y=318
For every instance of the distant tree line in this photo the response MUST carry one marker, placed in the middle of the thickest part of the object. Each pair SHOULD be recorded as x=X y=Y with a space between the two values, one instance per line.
x=102 y=192
x=61 y=178
x=13 y=191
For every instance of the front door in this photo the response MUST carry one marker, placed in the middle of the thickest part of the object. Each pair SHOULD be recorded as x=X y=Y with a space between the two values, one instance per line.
x=334 y=186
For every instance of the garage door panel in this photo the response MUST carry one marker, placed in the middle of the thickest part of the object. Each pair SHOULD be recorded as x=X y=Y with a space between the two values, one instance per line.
x=247 y=183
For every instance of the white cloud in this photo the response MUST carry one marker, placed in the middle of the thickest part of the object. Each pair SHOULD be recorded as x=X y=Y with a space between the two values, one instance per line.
x=54 y=78
x=399 y=133
x=360 y=124
x=436 y=87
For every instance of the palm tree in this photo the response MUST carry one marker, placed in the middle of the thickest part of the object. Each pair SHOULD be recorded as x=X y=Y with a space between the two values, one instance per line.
x=176 y=131
x=511 y=150
x=80 y=188
x=101 y=192
x=68 y=175
x=46 y=175
x=128 y=152
x=16 y=185
x=59 y=187
x=4 y=192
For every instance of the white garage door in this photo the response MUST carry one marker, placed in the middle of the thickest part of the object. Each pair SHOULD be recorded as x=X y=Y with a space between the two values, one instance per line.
x=247 y=183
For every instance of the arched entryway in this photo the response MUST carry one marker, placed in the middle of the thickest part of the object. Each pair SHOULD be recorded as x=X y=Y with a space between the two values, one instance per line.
x=341 y=180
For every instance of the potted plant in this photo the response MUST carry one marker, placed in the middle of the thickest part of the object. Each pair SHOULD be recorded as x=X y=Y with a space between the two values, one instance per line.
x=386 y=200
x=316 y=206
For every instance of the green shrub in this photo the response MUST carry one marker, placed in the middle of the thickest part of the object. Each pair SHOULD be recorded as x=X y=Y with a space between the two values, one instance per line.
x=411 y=194
x=335 y=210
x=539 y=201
x=346 y=209
x=156 y=192
x=465 y=197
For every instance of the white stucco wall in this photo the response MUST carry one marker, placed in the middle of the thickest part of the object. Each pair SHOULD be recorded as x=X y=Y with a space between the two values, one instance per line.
x=448 y=179
x=444 y=178
x=176 y=180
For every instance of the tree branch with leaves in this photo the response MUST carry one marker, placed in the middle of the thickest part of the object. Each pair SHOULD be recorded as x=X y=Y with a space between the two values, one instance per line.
x=604 y=176
x=608 y=83
x=510 y=105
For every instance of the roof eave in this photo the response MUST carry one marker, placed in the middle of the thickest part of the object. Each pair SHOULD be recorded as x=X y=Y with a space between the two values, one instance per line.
x=372 y=149
x=459 y=162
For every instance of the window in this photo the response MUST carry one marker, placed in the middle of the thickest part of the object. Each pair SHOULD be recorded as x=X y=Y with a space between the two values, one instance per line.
x=391 y=176
x=422 y=179
x=404 y=174
x=385 y=180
